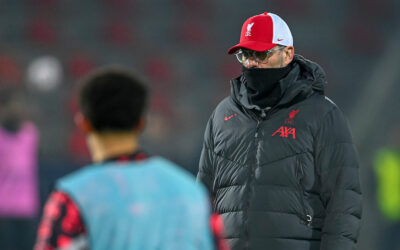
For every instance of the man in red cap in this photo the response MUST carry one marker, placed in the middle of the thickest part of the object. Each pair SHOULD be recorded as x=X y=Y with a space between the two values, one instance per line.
x=278 y=157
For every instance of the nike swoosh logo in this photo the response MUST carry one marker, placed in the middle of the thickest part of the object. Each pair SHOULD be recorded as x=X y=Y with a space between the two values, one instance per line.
x=280 y=39
x=229 y=117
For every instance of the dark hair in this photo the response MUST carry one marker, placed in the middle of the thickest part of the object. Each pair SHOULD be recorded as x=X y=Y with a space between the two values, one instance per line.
x=113 y=99
x=12 y=108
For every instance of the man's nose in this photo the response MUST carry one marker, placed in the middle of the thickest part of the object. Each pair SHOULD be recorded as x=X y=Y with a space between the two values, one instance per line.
x=250 y=63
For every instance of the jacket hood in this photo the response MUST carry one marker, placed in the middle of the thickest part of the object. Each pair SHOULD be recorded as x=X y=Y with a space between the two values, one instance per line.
x=311 y=72
x=305 y=78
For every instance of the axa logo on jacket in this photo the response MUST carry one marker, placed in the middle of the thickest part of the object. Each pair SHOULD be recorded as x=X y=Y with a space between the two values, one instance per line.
x=285 y=131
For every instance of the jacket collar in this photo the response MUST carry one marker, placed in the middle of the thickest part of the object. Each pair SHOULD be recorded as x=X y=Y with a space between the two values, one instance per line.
x=305 y=78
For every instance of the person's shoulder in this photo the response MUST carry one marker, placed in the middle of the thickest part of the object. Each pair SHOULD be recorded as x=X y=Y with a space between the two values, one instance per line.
x=169 y=168
x=29 y=126
x=173 y=174
x=29 y=130
x=317 y=108
x=322 y=104
x=79 y=176
x=224 y=104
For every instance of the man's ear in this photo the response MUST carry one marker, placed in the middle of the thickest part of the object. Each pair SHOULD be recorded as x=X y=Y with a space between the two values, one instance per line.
x=141 y=125
x=82 y=123
x=289 y=54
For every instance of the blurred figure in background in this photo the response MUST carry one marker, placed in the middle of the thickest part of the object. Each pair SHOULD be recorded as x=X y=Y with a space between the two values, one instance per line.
x=19 y=196
x=387 y=172
x=127 y=199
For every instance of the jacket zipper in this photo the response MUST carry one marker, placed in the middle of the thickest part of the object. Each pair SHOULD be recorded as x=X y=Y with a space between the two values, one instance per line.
x=306 y=216
x=251 y=180
x=264 y=116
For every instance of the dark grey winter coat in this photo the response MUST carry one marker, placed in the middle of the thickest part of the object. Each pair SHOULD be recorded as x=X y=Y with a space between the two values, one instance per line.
x=286 y=178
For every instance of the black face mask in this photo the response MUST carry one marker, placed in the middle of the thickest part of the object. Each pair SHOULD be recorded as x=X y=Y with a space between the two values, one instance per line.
x=262 y=85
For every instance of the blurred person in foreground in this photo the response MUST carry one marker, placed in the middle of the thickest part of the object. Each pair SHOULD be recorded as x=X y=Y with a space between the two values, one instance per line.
x=126 y=199
x=19 y=195
x=278 y=157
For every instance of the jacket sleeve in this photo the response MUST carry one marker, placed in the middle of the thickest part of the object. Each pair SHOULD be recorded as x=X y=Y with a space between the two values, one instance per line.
x=61 y=225
x=206 y=164
x=336 y=161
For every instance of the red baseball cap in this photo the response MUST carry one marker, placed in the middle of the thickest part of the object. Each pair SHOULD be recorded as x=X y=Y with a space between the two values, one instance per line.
x=263 y=32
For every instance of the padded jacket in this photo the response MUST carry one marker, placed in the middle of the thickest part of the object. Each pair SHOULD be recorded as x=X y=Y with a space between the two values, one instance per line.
x=285 y=177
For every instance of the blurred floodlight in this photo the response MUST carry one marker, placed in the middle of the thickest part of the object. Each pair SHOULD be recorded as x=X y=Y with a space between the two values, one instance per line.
x=44 y=73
